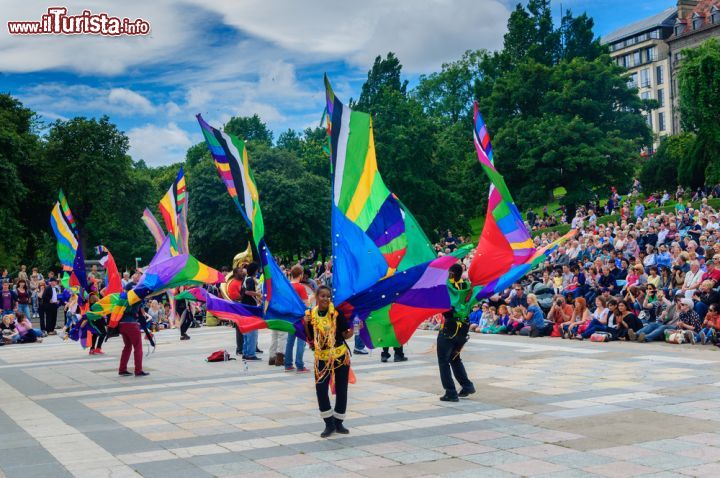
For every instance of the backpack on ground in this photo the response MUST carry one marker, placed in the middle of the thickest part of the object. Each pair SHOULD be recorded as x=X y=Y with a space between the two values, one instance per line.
x=219 y=356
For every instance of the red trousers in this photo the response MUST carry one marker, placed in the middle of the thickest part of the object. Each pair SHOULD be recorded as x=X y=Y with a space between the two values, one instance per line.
x=132 y=339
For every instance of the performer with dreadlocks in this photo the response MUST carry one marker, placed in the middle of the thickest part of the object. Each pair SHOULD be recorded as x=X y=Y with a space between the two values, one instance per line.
x=453 y=336
x=327 y=329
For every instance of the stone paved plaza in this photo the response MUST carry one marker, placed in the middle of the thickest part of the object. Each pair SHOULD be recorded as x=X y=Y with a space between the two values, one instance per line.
x=544 y=407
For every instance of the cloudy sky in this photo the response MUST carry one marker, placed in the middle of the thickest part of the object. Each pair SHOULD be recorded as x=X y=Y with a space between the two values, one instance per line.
x=240 y=57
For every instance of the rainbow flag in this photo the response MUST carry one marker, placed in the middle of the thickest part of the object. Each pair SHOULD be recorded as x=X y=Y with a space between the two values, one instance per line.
x=165 y=271
x=154 y=227
x=197 y=294
x=172 y=204
x=67 y=212
x=233 y=164
x=247 y=317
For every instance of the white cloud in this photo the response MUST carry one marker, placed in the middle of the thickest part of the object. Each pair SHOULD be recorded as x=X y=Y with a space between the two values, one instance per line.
x=159 y=145
x=423 y=33
x=172 y=28
x=124 y=98
x=62 y=100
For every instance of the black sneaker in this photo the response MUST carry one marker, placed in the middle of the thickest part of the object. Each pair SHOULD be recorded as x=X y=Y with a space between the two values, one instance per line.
x=251 y=358
x=449 y=398
x=383 y=357
x=124 y=374
x=464 y=393
x=360 y=352
x=400 y=359
x=142 y=374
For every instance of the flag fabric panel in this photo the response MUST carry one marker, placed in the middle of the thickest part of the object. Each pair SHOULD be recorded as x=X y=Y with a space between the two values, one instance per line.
x=165 y=271
x=505 y=240
x=280 y=302
x=505 y=251
x=368 y=223
x=154 y=227
x=172 y=204
x=66 y=241
x=393 y=308
x=113 y=281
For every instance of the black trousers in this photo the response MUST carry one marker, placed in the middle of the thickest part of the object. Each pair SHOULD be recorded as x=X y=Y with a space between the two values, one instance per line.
x=42 y=312
x=50 y=317
x=186 y=322
x=397 y=350
x=322 y=390
x=99 y=336
x=450 y=363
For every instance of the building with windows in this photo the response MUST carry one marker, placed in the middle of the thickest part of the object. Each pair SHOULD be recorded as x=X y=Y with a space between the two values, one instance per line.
x=696 y=22
x=642 y=48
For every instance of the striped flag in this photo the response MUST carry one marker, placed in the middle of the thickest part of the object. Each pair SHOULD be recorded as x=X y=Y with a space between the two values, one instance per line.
x=154 y=227
x=280 y=301
x=67 y=242
x=172 y=203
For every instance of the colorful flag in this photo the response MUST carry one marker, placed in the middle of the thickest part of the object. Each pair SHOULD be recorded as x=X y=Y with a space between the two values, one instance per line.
x=385 y=272
x=197 y=294
x=172 y=203
x=505 y=240
x=232 y=162
x=164 y=272
x=368 y=223
x=67 y=242
x=154 y=227
x=246 y=317
x=67 y=212
x=505 y=251
x=113 y=282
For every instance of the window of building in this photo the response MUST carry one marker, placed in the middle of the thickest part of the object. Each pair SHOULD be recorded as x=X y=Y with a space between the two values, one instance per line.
x=661 y=97
x=645 y=95
x=632 y=81
x=651 y=54
x=655 y=34
x=648 y=119
x=645 y=78
x=697 y=21
x=637 y=58
x=659 y=75
x=715 y=15
x=661 y=121
x=679 y=28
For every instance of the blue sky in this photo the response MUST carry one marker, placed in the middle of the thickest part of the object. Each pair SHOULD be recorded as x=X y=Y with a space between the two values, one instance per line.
x=240 y=57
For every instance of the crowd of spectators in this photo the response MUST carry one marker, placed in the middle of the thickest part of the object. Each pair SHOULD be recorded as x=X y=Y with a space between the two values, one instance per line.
x=647 y=276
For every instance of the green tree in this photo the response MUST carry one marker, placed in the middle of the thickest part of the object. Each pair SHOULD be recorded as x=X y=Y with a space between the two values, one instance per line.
x=405 y=148
x=106 y=193
x=448 y=94
x=661 y=170
x=250 y=128
x=575 y=125
x=699 y=89
x=19 y=146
